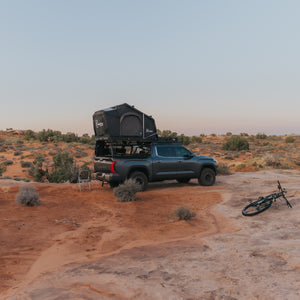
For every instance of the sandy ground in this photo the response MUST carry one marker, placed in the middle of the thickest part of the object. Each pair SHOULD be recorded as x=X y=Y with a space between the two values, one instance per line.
x=86 y=245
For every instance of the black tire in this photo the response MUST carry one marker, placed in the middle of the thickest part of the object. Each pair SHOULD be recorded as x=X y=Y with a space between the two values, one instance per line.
x=207 y=177
x=257 y=207
x=183 y=180
x=140 y=178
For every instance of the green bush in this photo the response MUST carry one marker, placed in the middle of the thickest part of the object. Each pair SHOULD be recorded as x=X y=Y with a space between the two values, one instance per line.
x=261 y=136
x=126 y=191
x=28 y=196
x=60 y=175
x=36 y=170
x=64 y=168
x=30 y=135
x=8 y=162
x=184 y=213
x=236 y=143
x=26 y=164
x=18 y=152
x=196 y=139
x=290 y=139
x=62 y=160
x=184 y=140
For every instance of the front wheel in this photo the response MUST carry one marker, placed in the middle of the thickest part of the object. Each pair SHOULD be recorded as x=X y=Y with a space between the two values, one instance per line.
x=140 y=178
x=257 y=207
x=207 y=177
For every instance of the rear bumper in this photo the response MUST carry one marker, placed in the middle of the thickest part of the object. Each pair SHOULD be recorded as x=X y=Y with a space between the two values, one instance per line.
x=109 y=177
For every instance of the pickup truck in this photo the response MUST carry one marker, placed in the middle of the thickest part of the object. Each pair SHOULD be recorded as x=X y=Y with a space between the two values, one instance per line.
x=151 y=161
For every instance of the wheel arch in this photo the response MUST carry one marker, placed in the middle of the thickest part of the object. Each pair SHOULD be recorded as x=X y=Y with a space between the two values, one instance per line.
x=208 y=166
x=138 y=169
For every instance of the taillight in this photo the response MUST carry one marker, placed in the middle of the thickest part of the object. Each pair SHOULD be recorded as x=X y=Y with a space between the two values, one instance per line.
x=112 y=167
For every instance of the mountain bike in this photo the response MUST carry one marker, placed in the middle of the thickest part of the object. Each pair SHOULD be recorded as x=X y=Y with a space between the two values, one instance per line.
x=264 y=203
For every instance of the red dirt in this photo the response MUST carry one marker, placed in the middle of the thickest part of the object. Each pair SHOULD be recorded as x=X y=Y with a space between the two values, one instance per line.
x=73 y=226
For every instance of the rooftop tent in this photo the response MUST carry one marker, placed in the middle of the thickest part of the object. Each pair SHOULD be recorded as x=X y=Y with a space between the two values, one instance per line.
x=125 y=122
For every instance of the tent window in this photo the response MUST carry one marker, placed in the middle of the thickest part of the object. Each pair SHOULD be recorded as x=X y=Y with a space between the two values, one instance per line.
x=131 y=126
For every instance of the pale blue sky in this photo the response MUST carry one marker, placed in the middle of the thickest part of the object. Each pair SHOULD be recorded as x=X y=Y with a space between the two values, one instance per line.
x=196 y=66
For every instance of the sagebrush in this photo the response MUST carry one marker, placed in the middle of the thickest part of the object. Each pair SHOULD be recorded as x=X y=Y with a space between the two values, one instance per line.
x=126 y=191
x=184 y=213
x=28 y=196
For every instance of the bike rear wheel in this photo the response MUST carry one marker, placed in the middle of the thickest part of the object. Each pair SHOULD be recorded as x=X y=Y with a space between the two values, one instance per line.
x=257 y=207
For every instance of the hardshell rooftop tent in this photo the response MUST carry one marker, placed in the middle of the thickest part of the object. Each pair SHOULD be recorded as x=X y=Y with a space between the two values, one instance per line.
x=123 y=122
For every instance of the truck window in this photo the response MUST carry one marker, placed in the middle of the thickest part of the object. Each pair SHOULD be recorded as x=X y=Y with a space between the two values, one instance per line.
x=166 y=151
x=181 y=151
x=172 y=151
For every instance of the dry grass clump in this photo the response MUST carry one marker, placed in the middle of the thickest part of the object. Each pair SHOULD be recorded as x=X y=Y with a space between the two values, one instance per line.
x=28 y=196
x=126 y=191
x=184 y=213
x=223 y=168
x=272 y=160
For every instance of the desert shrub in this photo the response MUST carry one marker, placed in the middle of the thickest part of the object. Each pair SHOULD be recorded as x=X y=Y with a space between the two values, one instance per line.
x=126 y=191
x=18 y=152
x=36 y=170
x=2 y=169
x=223 y=168
x=70 y=137
x=29 y=135
x=28 y=196
x=5 y=177
x=261 y=136
x=228 y=133
x=26 y=164
x=244 y=134
x=236 y=143
x=62 y=160
x=184 y=213
x=8 y=162
x=184 y=140
x=196 y=139
x=64 y=168
x=86 y=139
x=272 y=160
x=290 y=139
x=80 y=154
x=166 y=133
x=60 y=175
x=52 y=152
x=22 y=179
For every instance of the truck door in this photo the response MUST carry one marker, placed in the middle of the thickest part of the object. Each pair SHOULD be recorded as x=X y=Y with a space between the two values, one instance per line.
x=170 y=162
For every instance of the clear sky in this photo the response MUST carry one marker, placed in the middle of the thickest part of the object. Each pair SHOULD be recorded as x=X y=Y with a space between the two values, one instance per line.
x=196 y=66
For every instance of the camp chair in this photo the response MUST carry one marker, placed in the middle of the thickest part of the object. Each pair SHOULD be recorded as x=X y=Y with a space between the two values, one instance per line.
x=84 y=179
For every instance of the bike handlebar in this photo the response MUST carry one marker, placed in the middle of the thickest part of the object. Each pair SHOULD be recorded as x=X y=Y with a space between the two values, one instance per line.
x=283 y=191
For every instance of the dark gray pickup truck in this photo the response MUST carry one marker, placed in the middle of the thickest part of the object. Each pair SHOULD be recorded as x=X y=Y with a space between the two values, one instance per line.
x=151 y=161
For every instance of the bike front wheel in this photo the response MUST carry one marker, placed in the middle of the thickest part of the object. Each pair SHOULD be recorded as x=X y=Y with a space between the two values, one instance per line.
x=257 y=207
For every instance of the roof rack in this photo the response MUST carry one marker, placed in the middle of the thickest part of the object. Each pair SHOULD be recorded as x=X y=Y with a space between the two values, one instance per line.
x=133 y=140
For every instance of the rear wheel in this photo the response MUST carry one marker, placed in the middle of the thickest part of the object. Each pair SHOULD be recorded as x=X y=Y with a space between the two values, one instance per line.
x=207 y=177
x=257 y=207
x=140 y=178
